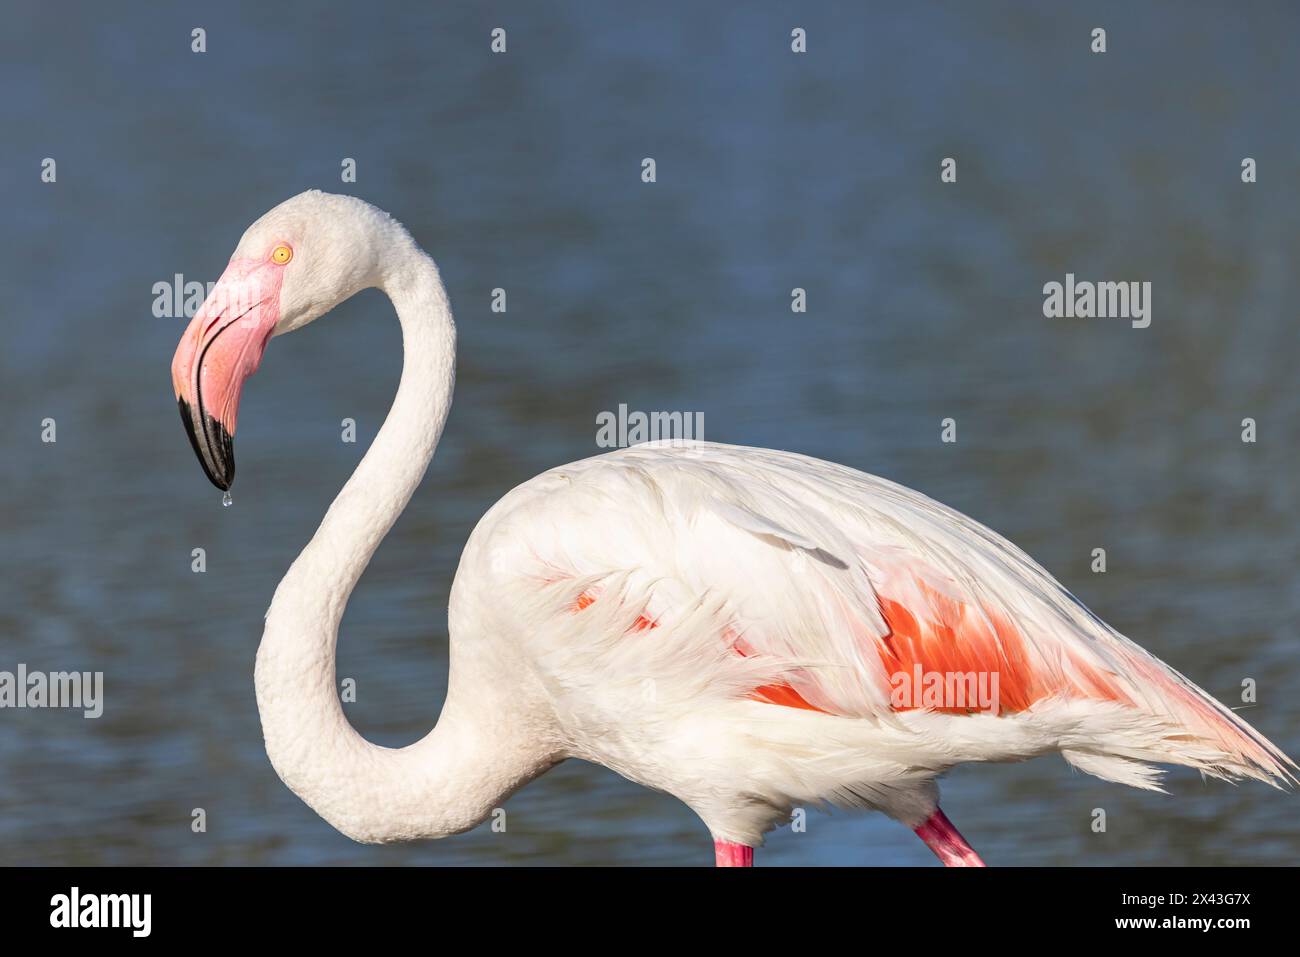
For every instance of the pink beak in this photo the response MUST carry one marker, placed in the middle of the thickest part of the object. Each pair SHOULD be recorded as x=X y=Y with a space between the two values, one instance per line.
x=222 y=347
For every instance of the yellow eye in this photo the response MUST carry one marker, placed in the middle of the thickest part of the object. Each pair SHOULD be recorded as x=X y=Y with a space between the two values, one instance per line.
x=281 y=254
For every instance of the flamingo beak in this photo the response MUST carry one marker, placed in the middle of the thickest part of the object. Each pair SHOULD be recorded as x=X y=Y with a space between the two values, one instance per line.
x=222 y=347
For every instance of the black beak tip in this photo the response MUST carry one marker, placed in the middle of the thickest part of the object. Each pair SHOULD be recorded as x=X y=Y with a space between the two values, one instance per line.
x=224 y=480
x=215 y=450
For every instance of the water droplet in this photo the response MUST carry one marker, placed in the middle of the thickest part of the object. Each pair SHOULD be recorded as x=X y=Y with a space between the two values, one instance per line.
x=226 y=499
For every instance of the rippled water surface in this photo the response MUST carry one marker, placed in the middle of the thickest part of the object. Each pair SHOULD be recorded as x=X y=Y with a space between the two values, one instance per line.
x=522 y=171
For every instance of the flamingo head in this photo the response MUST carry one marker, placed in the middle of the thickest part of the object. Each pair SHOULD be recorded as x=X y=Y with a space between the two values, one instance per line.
x=292 y=266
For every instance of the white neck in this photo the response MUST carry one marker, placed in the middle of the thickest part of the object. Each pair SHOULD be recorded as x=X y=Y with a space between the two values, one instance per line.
x=452 y=778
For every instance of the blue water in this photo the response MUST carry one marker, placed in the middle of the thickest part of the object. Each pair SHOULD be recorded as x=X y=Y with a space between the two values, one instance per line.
x=522 y=171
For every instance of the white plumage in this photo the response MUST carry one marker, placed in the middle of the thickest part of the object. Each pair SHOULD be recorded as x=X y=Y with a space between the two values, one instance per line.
x=724 y=624
x=789 y=552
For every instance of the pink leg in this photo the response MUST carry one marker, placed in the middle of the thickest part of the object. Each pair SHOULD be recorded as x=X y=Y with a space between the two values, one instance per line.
x=727 y=854
x=947 y=843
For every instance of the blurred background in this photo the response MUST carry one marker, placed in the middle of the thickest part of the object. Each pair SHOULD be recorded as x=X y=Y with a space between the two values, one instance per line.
x=522 y=171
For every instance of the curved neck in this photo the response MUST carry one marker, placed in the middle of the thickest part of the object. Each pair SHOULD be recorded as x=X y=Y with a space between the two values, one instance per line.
x=452 y=778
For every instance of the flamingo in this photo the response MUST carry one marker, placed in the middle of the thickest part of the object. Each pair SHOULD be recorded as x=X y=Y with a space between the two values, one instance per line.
x=748 y=630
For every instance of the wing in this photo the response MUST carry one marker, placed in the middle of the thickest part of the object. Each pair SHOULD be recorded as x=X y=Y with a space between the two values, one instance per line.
x=845 y=594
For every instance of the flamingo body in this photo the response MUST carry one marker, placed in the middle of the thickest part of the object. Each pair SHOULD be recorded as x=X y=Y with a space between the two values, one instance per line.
x=748 y=630
x=723 y=624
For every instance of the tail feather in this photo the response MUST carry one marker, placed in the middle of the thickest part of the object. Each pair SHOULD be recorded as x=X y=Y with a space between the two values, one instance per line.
x=1202 y=733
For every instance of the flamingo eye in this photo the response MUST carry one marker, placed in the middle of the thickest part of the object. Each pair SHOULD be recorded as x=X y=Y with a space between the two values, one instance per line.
x=281 y=254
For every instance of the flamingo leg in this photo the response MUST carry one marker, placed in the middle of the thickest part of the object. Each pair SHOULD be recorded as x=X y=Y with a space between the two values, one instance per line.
x=946 y=841
x=727 y=854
